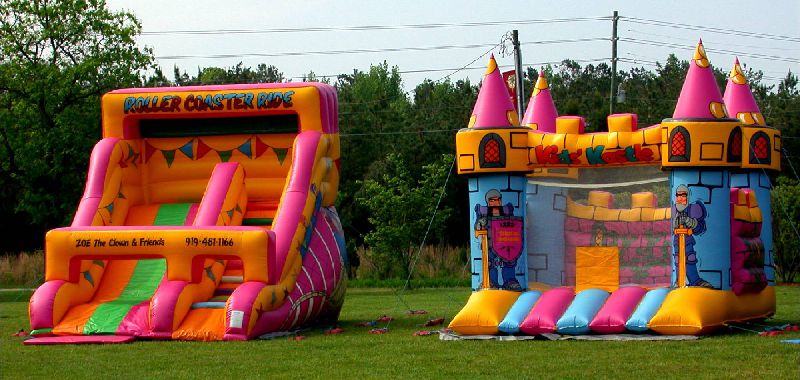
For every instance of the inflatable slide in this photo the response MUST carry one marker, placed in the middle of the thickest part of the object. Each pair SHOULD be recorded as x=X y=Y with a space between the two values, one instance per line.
x=207 y=215
x=663 y=229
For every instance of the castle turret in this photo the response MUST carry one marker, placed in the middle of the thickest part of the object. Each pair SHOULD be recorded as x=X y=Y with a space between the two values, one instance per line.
x=739 y=100
x=703 y=144
x=493 y=141
x=493 y=152
x=756 y=139
x=491 y=110
x=700 y=132
x=700 y=96
x=541 y=113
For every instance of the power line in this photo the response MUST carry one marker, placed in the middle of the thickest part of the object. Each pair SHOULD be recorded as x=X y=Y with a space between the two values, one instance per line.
x=326 y=52
x=672 y=37
x=381 y=50
x=648 y=61
x=709 y=29
x=433 y=70
x=546 y=42
x=722 y=51
x=374 y=27
x=467 y=65
x=416 y=71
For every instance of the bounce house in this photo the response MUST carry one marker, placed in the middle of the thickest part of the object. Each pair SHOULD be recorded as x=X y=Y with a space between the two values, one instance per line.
x=207 y=215
x=663 y=229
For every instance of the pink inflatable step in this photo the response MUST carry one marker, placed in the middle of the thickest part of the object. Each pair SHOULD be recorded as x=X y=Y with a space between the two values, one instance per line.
x=544 y=315
x=618 y=308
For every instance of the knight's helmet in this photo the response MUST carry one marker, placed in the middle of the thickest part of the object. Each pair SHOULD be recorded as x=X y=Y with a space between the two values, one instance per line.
x=493 y=193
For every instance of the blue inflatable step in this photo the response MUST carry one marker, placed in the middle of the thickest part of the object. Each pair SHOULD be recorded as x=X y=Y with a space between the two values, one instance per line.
x=518 y=312
x=209 y=305
x=584 y=307
x=646 y=310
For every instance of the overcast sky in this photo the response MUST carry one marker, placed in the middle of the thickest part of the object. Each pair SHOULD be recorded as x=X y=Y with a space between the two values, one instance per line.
x=764 y=34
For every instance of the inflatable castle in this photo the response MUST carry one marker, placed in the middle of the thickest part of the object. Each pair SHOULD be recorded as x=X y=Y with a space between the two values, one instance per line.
x=662 y=229
x=207 y=215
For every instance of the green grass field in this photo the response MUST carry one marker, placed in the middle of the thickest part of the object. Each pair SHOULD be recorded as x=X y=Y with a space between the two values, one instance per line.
x=399 y=354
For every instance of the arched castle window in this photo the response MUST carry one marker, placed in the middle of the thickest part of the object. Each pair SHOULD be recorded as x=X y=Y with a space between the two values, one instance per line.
x=492 y=151
x=735 y=145
x=680 y=145
x=760 y=148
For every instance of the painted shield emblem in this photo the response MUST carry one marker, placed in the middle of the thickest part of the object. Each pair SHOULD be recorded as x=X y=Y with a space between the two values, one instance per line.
x=505 y=236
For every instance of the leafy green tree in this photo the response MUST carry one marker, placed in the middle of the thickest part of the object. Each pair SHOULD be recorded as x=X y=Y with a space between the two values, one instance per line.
x=181 y=78
x=583 y=91
x=786 y=223
x=401 y=206
x=212 y=75
x=781 y=109
x=57 y=59
x=372 y=109
x=267 y=74
x=158 y=79
x=438 y=111
x=232 y=75
x=312 y=77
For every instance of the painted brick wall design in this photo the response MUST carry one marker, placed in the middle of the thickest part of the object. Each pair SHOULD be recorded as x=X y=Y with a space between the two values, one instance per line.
x=642 y=234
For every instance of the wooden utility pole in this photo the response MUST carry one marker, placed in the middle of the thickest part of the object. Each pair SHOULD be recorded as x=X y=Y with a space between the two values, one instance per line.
x=518 y=73
x=612 y=96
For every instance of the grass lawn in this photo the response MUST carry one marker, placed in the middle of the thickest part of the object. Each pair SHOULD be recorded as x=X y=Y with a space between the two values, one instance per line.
x=399 y=354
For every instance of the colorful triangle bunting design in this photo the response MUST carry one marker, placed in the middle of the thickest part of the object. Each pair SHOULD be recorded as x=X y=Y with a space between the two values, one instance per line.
x=186 y=149
x=202 y=149
x=132 y=155
x=210 y=274
x=224 y=155
x=281 y=154
x=169 y=155
x=148 y=151
x=245 y=149
x=261 y=148
x=99 y=213
x=88 y=276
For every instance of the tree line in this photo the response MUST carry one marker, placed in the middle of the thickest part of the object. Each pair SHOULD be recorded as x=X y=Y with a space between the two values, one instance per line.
x=58 y=58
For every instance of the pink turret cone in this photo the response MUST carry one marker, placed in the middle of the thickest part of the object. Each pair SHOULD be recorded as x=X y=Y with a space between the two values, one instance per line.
x=700 y=96
x=739 y=100
x=493 y=108
x=541 y=113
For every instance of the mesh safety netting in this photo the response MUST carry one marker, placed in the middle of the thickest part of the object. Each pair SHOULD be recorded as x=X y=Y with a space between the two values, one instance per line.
x=590 y=224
